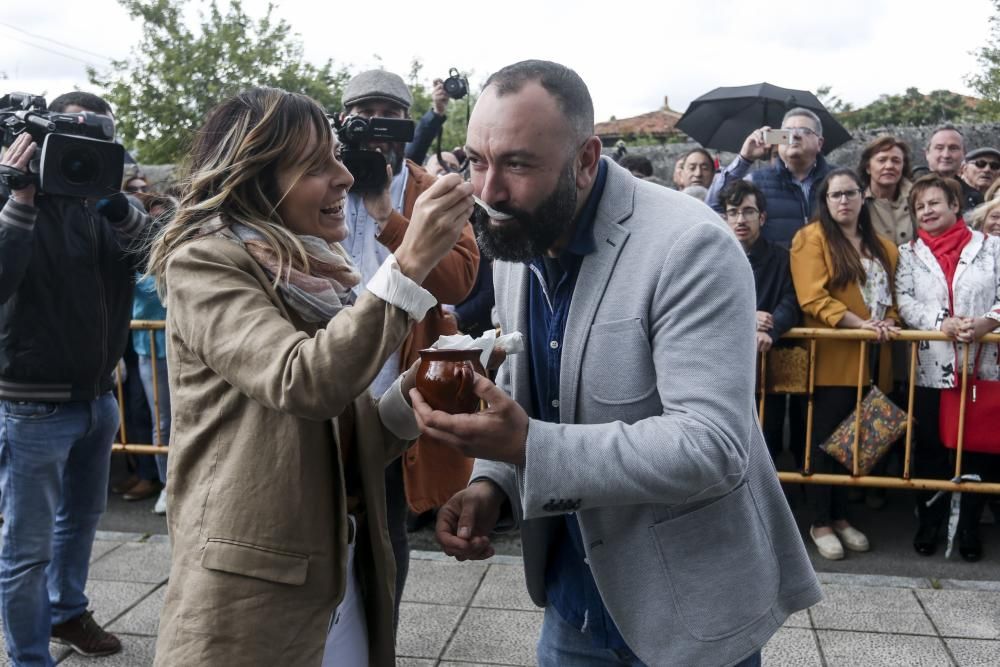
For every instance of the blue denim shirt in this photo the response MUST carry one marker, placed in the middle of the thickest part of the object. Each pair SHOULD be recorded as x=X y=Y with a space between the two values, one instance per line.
x=569 y=585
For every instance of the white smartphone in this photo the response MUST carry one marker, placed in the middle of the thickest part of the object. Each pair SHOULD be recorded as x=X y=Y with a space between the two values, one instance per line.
x=777 y=136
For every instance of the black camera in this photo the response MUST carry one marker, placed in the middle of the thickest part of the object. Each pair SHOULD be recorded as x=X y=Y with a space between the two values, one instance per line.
x=456 y=85
x=368 y=166
x=78 y=156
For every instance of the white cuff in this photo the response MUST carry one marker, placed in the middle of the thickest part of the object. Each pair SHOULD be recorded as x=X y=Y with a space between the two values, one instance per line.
x=390 y=285
x=396 y=414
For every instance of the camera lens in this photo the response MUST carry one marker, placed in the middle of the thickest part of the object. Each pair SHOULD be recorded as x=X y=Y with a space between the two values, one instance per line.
x=80 y=165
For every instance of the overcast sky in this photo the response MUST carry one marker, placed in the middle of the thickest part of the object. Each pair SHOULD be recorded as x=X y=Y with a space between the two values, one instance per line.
x=631 y=54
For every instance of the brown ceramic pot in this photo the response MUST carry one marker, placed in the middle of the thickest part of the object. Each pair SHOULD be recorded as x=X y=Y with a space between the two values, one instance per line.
x=445 y=379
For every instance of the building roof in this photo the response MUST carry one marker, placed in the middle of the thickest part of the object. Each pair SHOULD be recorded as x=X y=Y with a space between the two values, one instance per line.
x=659 y=124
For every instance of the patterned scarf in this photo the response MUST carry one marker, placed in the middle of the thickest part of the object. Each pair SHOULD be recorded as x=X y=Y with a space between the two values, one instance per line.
x=318 y=295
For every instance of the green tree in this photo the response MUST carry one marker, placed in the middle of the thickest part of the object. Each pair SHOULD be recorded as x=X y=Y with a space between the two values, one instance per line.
x=912 y=108
x=162 y=92
x=986 y=83
x=832 y=102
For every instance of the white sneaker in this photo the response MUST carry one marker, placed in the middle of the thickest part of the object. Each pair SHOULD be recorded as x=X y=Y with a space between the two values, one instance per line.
x=852 y=538
x=161 y=503
x=828 y=545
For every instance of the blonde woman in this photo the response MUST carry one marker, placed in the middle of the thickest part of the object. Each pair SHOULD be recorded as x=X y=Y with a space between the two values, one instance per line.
x=986 y=217
x=277 y=450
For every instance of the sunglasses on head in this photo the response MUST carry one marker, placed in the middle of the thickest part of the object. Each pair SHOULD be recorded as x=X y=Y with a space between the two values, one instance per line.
x=983 y=164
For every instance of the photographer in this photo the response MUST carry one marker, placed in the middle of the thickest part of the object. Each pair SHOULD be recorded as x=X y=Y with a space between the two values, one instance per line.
x=376 y=224
x=66 y=279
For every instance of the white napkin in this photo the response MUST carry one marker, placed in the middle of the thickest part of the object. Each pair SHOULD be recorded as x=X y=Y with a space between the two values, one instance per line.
x=511 y=343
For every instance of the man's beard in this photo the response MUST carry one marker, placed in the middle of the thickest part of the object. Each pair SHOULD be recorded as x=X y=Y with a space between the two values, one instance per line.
x=530 y=233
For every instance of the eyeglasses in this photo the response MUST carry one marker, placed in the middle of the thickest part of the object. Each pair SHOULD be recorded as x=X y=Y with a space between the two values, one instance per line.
x=748 y=213
x=983 y=164
x=801 y=132
x=844 y=194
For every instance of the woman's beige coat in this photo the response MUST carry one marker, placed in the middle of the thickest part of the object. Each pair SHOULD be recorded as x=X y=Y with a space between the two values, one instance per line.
x=257 y=512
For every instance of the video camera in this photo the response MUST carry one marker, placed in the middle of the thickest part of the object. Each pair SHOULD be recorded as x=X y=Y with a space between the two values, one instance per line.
x=78 y=156
x=368 y=166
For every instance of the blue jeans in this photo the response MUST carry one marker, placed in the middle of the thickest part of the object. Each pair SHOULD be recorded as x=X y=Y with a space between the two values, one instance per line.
x=562 y=645
x=161 y=404
x=54 y=462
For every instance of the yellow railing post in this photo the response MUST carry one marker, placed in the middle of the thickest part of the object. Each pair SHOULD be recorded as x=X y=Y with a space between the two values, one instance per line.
x=909 y=410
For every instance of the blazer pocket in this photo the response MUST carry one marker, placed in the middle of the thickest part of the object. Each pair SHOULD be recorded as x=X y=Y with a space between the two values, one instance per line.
x=720 y=565
x=250 y=560
x=619 y=363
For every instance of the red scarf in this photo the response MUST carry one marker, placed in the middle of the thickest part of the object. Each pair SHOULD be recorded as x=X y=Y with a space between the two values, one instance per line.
x=947 y=248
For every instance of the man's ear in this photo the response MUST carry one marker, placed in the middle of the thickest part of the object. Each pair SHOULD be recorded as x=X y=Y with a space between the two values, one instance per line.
x=587 y=160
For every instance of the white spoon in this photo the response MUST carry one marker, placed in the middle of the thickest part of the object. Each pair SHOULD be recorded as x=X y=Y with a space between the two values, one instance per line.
x=490 y=211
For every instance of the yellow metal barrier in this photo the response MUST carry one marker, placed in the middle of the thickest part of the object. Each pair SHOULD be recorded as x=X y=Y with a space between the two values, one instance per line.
x=123 y=445
x=854 y=479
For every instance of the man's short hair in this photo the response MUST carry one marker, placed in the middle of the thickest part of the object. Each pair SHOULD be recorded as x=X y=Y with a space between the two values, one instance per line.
x=700 y=151
x=736 y=191
x=637 y=163
x=808 y=113
x=560 y=81
x=86 y=101
x=947 y=127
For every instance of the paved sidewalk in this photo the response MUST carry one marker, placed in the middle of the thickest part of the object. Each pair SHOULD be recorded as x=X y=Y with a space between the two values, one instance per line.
x=478 y=613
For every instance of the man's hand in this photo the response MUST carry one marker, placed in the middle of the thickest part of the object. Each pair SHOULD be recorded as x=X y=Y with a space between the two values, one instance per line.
x=765 y=321
x=754 y=147
x=764 y=342
x=439 y=98
x=465 y=522
x=498 y=433
x=18 y=156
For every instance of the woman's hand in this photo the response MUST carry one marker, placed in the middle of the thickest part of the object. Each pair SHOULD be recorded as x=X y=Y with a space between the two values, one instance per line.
x=957 y=328
x=980 y=326
x=439 y=216
x=886 y=330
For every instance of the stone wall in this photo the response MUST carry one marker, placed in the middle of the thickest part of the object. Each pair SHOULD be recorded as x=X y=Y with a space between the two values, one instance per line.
x=976 y=136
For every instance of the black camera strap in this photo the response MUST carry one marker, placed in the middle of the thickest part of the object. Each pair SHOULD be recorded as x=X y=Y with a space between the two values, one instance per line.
x=15 y=179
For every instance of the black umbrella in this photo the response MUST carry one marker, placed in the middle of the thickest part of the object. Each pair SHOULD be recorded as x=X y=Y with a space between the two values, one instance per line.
x=723 y=118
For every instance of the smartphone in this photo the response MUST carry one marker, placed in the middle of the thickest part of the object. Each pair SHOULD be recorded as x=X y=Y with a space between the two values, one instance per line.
x=777 y=136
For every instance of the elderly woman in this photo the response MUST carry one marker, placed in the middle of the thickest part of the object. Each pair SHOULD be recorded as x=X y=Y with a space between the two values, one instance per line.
x=277 y=450
x=949 y=280
x=986 y=217
x=843 y=272
x=885 y=172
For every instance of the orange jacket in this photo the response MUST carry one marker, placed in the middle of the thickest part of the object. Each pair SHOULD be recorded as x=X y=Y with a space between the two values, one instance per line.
x=432 y=473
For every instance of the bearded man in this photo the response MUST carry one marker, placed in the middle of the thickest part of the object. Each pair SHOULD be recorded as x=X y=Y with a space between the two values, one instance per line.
x=623 y=442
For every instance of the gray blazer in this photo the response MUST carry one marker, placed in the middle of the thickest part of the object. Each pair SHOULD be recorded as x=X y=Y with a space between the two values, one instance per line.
x=687 y=532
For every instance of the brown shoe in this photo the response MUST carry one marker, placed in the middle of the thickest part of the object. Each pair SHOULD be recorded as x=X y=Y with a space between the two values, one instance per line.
x=125 y=484
x=146 y=488
x=85 y=636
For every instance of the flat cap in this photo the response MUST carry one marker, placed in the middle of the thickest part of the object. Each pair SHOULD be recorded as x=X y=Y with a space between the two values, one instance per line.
x=982 y=152
x=377 y=84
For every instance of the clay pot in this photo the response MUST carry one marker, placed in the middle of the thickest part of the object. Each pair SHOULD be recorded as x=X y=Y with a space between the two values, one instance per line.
x=445 y=379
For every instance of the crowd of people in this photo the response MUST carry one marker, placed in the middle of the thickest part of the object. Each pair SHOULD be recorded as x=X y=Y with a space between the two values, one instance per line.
x=295 y=312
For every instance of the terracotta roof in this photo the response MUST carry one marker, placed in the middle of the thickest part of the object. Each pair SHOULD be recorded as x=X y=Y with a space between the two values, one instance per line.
x=659 y=123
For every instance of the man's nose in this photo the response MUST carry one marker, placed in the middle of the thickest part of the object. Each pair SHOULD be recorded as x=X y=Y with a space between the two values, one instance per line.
x=494 y=191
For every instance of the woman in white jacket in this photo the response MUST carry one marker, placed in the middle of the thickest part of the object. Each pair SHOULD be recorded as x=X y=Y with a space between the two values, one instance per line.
x=947 y=279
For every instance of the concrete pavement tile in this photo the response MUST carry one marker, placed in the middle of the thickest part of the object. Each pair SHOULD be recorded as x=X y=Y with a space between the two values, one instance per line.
x=799 y=619
x=850 y=649
x=415 y=662
x=471 y=664
x=135 y=561
x=504 y=588
x=974 y=652
x=102 y=547
x=872 y=580
x=962 y=585
x=792 y=647
x=425 y=628
x=498 y=636
x=144 y=618
x=136 y=652
x=108 y=599
x=438 y=582
x=870 y=610
x=970 y=614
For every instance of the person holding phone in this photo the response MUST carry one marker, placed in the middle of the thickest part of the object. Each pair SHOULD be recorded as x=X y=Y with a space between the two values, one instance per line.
x=789 y=185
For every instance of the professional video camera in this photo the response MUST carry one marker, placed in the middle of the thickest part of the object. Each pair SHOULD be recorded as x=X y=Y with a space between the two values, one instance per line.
x=78 y=156
x=368 y=166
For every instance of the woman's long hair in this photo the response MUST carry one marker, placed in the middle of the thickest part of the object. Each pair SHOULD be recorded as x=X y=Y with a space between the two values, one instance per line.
x=233 y=169
x=847 y=267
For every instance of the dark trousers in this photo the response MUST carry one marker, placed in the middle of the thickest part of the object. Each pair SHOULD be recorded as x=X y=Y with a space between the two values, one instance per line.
x=932 y=460
x=830 y=406
x=395 y=511
x=776 y=407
